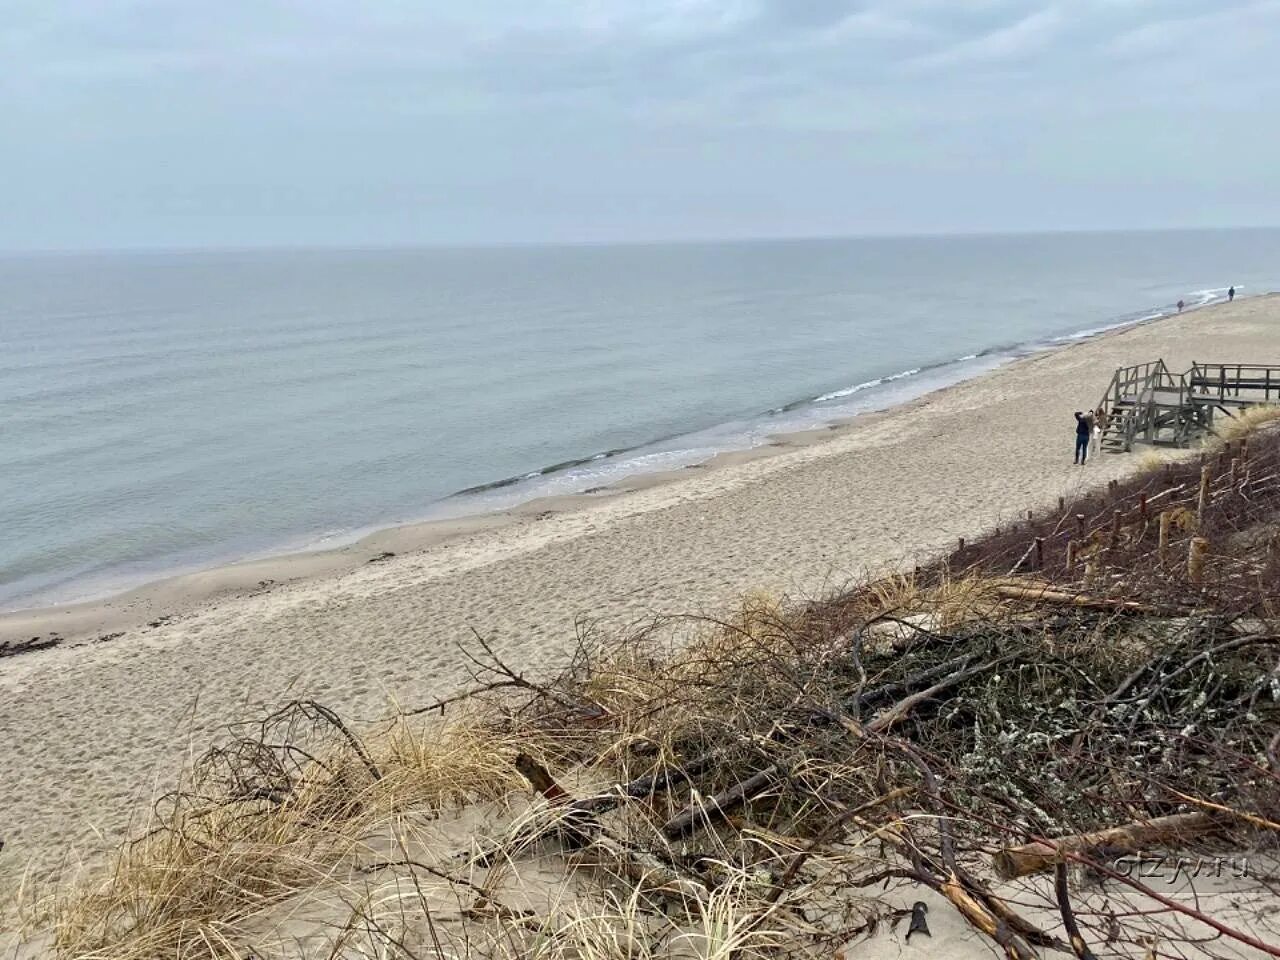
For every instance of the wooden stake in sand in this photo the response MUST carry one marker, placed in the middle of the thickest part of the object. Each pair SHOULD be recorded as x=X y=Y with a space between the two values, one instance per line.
x=1062 y=504
x=1165 y=520
x=1142 y=506
x=1115 y=528
x=1071 y=554
x=1235 y=465
x=1196 y=555
x=1206 y=474
x=1080 y=525
x=1039 y=553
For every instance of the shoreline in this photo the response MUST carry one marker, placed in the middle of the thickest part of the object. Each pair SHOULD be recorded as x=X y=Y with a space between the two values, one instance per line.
x=158 y=601
x=104 y=727
x=149 y=599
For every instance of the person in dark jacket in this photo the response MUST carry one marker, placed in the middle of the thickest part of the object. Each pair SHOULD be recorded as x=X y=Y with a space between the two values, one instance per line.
x=1084 y=429
x=1231 y=294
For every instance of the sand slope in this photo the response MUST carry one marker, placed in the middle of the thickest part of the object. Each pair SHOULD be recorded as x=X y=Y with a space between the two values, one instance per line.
x=89 y=730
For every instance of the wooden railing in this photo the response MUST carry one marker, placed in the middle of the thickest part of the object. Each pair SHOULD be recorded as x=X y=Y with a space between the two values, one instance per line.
x=1235 y=381
x=1130 y=383
x=1135 y=385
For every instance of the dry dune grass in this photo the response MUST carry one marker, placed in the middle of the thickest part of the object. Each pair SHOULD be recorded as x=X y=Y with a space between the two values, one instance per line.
x=225 y=845
x=739 y=787
x=1248 y=421
x=298 y=805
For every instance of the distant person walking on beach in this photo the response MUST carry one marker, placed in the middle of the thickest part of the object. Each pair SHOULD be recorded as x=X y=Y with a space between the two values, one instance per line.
x=1231 y=294
x=1084 y=429
x=1180 y=306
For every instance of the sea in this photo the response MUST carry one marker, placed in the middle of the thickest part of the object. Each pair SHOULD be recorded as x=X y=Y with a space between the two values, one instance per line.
x=162 y=412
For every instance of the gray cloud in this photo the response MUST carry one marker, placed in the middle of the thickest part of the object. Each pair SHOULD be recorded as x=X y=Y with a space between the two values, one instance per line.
x=316 y=121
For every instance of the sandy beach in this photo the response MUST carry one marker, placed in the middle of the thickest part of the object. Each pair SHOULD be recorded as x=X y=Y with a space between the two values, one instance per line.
x=94 y=726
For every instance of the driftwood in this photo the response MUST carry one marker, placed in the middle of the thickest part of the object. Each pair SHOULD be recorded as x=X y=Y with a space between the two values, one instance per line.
x=1039 y=595
x=647 y=869
x=700 y=812
x=1013 y=862
x=15 y=647
x=541 y=779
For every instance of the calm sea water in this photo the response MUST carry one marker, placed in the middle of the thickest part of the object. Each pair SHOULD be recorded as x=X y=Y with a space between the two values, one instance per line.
x=166 y=411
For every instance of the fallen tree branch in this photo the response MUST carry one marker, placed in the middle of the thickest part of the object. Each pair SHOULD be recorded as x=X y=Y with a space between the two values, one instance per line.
x=902 y=709
x=700 y=812
x=1063 y=896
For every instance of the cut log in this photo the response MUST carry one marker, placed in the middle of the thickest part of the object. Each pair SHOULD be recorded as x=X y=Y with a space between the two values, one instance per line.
x=1022 y=861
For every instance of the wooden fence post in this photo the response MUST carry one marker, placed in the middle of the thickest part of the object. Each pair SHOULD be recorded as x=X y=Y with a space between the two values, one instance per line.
x=1164 y=537
x=1196 y=554
x=1071 y=554
x=1039 y=553
x=1206 y=473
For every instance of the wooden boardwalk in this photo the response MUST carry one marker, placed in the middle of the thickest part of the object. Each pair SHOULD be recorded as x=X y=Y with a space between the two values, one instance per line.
x=1148 y=404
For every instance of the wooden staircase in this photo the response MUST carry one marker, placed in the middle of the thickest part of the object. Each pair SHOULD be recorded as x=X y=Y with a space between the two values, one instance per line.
x=1146 y=403
x=1117 y=435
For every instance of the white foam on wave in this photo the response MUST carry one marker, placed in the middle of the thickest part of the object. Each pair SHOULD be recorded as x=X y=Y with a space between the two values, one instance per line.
x=1198 y=298
x=867 y=385
x=1107 y=328
x=603 y=470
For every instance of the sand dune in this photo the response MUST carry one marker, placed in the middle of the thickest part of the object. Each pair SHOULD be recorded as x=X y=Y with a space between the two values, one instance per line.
x=90 y=729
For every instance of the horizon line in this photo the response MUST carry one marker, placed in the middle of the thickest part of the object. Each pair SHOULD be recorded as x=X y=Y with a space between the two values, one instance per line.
x=373 y=247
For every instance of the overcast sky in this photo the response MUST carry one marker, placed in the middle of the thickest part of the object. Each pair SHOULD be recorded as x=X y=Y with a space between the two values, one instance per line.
x=248 y=122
